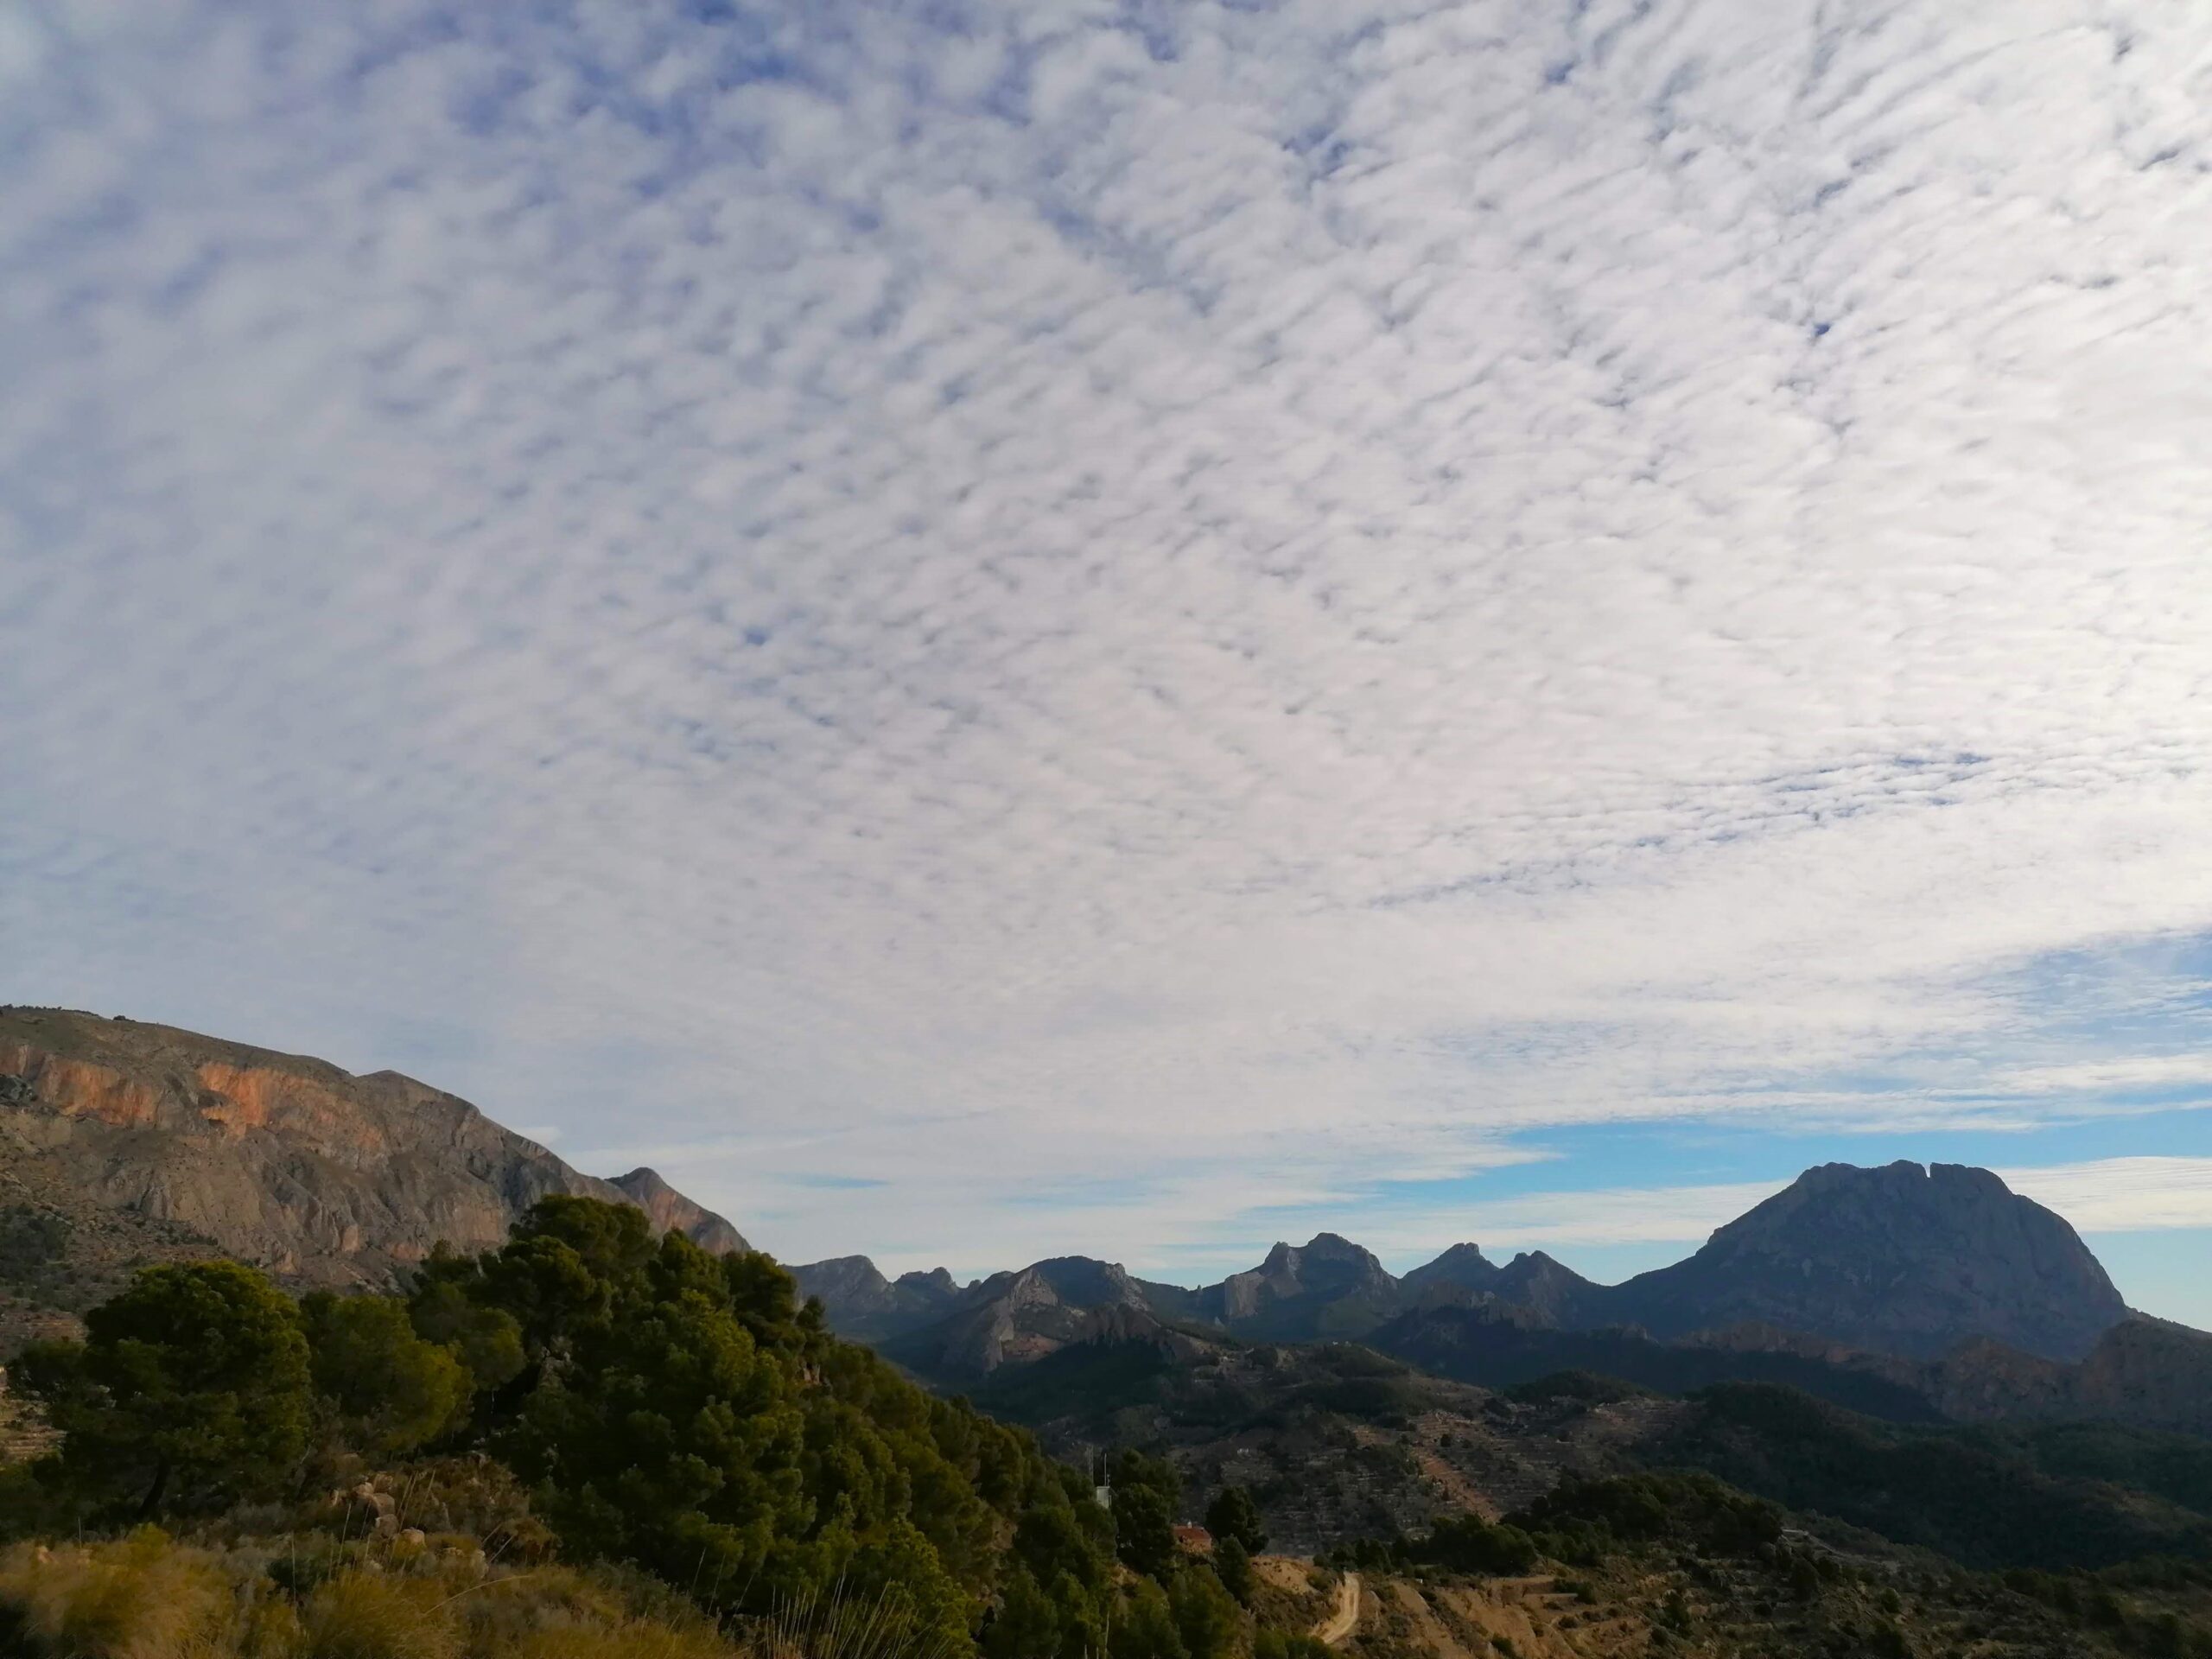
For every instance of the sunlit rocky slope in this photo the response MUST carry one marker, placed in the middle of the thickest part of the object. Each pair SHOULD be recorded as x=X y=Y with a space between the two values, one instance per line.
x=121 y=1141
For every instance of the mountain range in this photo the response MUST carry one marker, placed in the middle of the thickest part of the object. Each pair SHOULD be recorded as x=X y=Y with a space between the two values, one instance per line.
x=1903 y=1260
x=1901 y=1290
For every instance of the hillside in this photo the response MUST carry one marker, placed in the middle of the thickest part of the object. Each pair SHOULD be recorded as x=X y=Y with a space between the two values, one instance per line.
x=1338 y=1443
x=1497 y=1344
x=121 y=1141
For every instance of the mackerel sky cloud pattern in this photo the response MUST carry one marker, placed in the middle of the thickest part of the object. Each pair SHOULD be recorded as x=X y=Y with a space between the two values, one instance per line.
x=1131 y=621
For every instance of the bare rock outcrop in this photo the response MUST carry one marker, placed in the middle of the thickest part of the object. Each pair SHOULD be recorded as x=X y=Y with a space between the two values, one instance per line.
x=673 y=1212
x=279 y=1159
x=1014 y=1319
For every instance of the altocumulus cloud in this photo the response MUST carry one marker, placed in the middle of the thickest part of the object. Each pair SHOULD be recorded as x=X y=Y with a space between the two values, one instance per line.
x=1114 y=615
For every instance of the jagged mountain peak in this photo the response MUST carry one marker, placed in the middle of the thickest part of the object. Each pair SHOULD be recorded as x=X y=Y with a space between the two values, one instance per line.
x=856 y=1271
x=863 y=1304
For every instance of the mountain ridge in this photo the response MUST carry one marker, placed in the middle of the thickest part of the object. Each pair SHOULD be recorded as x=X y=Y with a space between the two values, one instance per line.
x=1900 y=1259
x=187 y=1141
x=193 y=1142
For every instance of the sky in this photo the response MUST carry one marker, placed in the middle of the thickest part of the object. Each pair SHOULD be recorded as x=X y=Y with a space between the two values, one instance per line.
x=986 y=630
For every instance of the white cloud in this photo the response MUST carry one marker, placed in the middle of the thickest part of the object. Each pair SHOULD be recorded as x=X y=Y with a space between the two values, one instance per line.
x=2123 y=1195
x=1277 y=597
x=2106 y=1195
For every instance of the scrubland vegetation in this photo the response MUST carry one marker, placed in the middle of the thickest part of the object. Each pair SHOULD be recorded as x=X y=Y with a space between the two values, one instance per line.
x=592 y=1443
x=589 y=1440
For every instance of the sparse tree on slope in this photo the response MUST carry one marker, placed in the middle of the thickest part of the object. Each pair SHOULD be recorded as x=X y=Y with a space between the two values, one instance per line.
x=1234 y=1514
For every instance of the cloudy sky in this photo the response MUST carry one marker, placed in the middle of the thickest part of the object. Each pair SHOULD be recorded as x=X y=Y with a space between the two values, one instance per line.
x=992 y=628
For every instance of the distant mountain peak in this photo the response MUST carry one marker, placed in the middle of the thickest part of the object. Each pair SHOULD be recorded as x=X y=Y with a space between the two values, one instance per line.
x=936 y=1281
x=1901 y=1257
x=1464 y=1265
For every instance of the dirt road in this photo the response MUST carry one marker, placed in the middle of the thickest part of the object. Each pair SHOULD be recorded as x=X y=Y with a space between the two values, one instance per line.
x=1347 y=1615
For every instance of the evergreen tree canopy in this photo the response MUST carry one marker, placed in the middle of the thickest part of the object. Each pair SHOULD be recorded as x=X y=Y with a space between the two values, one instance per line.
x=190 y=1389
x=388 y=1390
x=1234 y=1514
x=664 y=1407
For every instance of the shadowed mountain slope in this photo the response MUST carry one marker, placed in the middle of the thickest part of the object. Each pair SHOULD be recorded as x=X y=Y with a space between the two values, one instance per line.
x=1902 y=1259
x=1904 y=1262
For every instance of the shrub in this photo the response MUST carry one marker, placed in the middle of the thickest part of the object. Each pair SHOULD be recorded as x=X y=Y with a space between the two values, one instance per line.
x=1468 y=1543
x=634 y=1640
x=1233 y=1515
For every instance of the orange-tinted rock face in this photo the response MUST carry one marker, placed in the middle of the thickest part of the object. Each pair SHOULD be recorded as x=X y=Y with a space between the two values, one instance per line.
x=81 y=1088
x=241 y=1097
x=230 y=1097
x=276 y=1159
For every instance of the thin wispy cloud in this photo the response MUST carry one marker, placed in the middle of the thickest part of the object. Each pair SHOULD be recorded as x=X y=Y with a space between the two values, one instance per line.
x=2108 y=1195
x=1232 y=604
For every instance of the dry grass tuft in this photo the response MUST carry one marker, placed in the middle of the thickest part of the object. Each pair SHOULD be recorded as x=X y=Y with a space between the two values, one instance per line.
x=147 y=1596
x=843 y=1626
x=142 y=1598
x=363 y=1614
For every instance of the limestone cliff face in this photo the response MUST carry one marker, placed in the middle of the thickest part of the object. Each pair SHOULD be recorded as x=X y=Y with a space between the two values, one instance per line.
x=276 y=1159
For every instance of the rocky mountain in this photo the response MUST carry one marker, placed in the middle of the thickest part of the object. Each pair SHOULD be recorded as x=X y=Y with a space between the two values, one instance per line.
x=112 y=1128
x=1017 y=1319
x=1843 y=1267
x=1902 y=1259
x=2145 y=1373
x=1463 y=1265
x=671 y=1211
x=121 y=1141
x=863 y=1304
x=1328 y=1287
x=1563 y=1296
